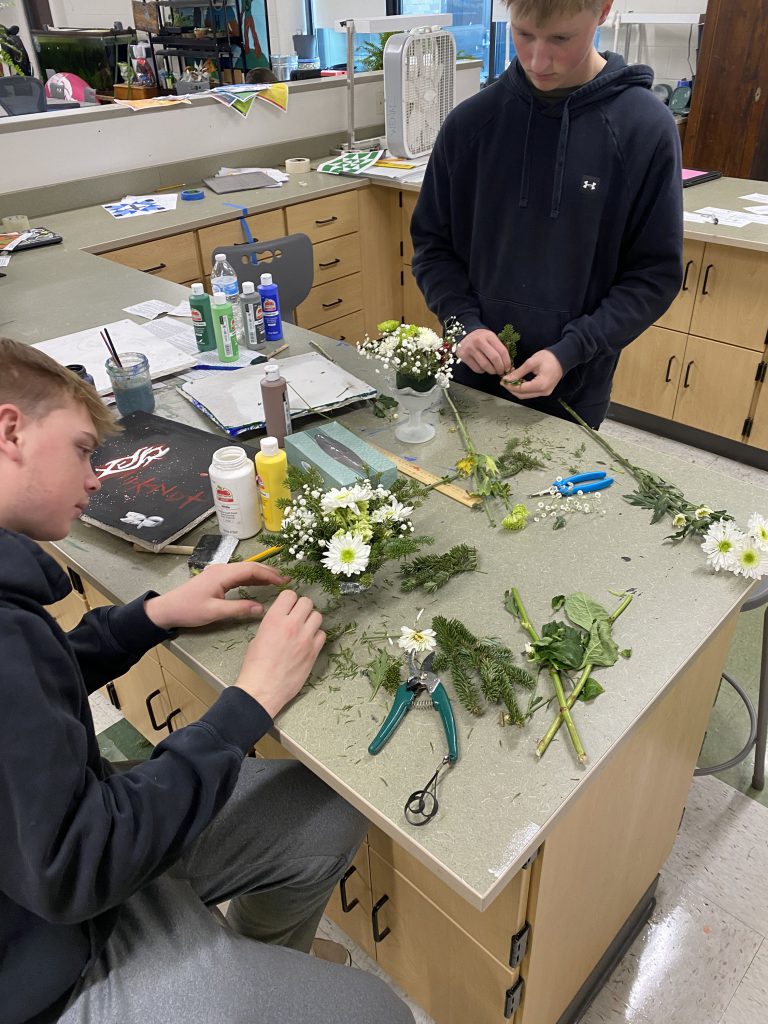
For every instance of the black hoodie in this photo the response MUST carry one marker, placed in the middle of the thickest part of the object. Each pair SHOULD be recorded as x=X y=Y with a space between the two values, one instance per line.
x=563 y=219
x=75 y=840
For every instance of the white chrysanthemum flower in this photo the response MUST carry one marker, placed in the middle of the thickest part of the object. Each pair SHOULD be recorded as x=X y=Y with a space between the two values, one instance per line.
x=347 y=555
x=719 y=544
x=417 y=641
x=679 y=520
x=344 y=497
x=703 y=512
x=749 y=560
x=758 y=530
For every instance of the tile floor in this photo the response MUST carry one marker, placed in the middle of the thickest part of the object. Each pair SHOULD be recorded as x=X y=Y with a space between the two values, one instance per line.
x=703 y=957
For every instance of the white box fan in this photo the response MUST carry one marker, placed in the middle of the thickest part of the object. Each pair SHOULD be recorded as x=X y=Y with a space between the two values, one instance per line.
x=419 y=88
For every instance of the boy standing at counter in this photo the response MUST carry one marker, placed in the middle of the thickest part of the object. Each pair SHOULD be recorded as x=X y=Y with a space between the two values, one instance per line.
x=107 y=877
x=553 y=201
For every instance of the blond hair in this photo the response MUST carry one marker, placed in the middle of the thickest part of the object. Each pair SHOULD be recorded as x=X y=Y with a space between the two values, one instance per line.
x=38 y=384
x=543 y=10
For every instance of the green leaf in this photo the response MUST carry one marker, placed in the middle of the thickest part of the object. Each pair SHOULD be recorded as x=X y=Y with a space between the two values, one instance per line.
x=590 y=690
x=626 y=653
x=561 y=646
x=583 y=611
x=558 y=602
x=559 y=523
x=601 y=648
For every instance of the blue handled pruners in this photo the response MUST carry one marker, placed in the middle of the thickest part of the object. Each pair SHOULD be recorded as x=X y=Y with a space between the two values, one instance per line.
x=583 y=483
x=420 y=678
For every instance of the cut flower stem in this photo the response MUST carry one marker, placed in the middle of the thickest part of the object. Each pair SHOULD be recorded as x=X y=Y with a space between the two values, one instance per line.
x=573 y=696
x=565 y=710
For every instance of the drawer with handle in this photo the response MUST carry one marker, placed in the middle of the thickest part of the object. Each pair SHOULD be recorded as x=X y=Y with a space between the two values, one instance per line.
x=263 y=227
x=349 y=328
x=324 y=218
x=337 y=257
x=173 y=258
x=330 y=301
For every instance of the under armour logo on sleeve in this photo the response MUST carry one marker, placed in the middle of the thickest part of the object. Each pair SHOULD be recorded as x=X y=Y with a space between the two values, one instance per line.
x=589 y=184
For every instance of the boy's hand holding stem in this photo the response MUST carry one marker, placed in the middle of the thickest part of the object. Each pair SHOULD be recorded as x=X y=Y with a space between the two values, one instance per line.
x=280 y=656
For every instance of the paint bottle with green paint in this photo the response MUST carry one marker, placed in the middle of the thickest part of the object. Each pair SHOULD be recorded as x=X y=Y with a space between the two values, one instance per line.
x=202 y=319
x=224 y=325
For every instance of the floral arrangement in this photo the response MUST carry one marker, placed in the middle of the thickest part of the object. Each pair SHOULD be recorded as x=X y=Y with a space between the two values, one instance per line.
x=418 y=355
x=344 y=535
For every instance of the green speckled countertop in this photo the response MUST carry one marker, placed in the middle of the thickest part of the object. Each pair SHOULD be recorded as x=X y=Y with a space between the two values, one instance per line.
x=498 y=803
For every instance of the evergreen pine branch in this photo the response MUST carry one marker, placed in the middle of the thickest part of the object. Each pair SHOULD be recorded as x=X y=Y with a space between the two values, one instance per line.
x=431 y=572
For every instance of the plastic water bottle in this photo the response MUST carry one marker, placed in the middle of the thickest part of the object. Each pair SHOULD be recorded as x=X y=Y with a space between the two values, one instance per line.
x=224 y=279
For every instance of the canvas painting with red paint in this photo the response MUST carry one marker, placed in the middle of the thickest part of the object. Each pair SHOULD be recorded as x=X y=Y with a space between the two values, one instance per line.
x=154 y=480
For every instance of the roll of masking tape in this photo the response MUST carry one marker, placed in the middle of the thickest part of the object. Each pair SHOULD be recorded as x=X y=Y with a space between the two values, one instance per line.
x=297 y=165
x=190 y=194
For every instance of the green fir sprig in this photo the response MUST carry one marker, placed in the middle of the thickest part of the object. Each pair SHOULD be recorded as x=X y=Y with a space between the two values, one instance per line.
x=468 y=657
x=509 y=338
x=431 y=572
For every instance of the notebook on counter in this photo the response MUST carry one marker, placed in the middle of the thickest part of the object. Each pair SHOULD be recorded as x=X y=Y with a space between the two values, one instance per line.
x=697 y=177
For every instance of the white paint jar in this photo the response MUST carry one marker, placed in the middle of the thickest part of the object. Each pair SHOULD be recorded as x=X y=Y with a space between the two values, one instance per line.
x=235 y=493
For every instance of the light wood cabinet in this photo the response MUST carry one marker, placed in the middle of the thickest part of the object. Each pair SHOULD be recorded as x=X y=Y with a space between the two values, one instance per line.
x=415 y=309
x=175 y=257
x=678 y=316
x=335 y=258
x=350 y=904
x=732 y=300
x=715 y=393
x=649 y=370
x=459 y=981
x=350 y=328
x=758 y=435
x=68 y=612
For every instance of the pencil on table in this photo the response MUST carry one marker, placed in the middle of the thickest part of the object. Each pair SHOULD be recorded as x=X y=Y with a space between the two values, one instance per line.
x=264 y=554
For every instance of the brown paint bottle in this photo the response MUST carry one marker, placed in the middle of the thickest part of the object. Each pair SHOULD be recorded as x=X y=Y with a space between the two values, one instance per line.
x=274 y=396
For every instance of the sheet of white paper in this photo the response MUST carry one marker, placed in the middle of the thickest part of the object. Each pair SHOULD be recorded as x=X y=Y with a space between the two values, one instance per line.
x=760 y=210
x=695 y=218
x=731 y=218
x=279 y=176
x=87 y=348
x=182 y=309
x=141 y=206
x=759 y=197
x=166 y=200
x=149 y=309
x=314 y=383
x=178 y=334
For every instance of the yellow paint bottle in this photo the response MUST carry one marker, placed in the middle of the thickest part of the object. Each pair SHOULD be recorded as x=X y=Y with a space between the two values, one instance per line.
x=272 y=473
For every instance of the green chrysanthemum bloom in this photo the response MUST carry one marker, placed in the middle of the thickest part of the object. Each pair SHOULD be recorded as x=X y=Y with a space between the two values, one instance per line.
x=516 y=519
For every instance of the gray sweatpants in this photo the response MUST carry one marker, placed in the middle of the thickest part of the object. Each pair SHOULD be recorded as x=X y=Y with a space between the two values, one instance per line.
x=276 y=850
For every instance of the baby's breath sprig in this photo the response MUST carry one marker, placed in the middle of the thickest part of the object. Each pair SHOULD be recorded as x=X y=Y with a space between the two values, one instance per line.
x=418 y=355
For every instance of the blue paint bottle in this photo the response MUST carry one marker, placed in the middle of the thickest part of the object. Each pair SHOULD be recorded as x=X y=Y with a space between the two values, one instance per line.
x=270 y=303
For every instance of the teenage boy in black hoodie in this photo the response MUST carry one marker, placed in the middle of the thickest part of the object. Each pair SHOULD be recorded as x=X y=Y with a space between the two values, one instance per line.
x=553 y=201
x=107 y=877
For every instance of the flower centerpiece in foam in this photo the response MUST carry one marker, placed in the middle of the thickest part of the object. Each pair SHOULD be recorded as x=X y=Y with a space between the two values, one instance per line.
x=340 y=538
x=420 y=358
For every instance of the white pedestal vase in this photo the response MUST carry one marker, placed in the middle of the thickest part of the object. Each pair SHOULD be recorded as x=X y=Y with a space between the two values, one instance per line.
x=414 y=430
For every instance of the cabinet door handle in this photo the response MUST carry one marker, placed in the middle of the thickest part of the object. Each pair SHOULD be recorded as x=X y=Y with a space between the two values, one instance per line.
x=151 y=270
x=330 y=305
x=159 y=726
x=346 y=906
x=667 y=378
x=114 y=700
x=687 y=372
x=330 y=263
x=704 y=291
x=688 y=266
x=328 y=220
x=377 y=935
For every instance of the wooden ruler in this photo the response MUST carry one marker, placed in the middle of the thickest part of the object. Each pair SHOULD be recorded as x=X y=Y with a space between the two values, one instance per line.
x=428 y=479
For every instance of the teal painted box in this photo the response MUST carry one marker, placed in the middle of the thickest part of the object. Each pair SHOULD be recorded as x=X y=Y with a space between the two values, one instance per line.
x=338 y=455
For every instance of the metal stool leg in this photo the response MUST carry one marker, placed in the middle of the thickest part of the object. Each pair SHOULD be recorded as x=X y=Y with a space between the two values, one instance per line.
x=744 y=752
x=758 y=778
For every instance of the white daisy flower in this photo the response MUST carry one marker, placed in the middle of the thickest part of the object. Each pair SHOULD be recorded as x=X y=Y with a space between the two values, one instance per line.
x=703 y=512
x=758 y=530
x=719 y=544
x=749 y=560
x=679 y=520
x=344 y=497
x=347 y=555
x=417 y=641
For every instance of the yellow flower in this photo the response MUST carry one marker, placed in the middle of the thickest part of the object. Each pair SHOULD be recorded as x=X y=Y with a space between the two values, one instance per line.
x=517 y=518
x=465 y=466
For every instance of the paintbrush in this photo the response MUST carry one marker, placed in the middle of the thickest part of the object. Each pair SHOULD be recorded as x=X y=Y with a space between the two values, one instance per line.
x=110 y=347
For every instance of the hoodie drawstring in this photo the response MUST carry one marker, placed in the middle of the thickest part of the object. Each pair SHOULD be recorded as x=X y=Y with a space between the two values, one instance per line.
x=562 y=147
x=526 y=177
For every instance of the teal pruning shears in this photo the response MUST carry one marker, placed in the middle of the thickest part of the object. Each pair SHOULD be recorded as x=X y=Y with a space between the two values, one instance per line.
x=420 y=678
x=583 y=483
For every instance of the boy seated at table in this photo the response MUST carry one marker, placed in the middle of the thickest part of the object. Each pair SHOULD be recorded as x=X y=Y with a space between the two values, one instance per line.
x=109 y=878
